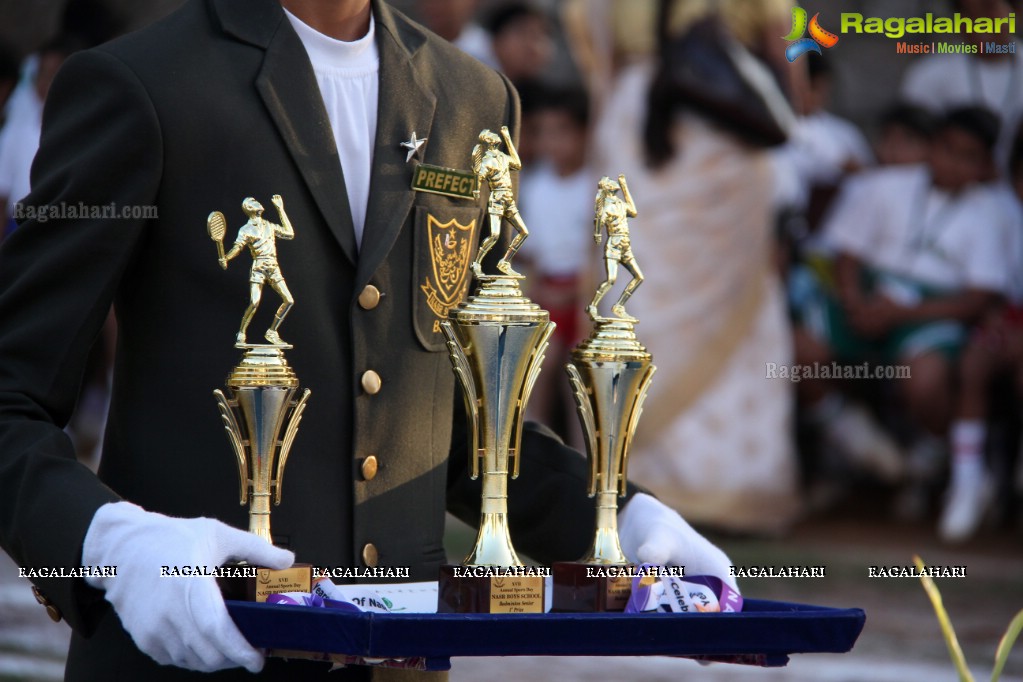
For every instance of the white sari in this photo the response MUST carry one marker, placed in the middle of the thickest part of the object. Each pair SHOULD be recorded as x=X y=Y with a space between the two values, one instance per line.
x=715 y=440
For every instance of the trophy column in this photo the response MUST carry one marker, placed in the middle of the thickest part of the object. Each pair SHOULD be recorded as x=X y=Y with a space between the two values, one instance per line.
x=260 y=401
x=497 y=340
x=610 y=373
x=262 y=387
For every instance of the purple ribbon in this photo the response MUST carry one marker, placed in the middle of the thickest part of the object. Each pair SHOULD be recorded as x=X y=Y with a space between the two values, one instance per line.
x=672 y=594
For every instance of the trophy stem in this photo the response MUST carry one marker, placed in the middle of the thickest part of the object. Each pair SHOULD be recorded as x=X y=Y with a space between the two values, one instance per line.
x=259 y=515
x=495 y=484
x=606 y=548
x=493 y=542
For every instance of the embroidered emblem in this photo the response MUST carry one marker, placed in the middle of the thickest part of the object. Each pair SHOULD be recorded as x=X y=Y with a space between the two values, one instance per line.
x=450 y=253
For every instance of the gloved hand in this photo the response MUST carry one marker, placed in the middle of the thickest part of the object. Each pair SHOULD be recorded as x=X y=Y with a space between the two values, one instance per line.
x=654 y=533
x=178 y=621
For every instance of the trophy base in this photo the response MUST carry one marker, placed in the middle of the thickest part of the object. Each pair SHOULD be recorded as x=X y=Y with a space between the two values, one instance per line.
x=590 y=588
x=458 y=593
x=266 y=581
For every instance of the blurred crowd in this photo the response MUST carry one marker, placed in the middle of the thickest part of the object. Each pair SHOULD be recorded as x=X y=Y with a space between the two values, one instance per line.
x=788 y=252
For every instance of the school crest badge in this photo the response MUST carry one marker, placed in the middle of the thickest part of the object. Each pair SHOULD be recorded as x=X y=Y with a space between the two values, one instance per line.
x=451 y=246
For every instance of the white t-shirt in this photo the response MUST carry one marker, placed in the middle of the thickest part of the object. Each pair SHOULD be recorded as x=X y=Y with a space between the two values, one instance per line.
x=348 y=76
x=894 y=220
x=559 y=214
x=819 y=147
x=940 y=82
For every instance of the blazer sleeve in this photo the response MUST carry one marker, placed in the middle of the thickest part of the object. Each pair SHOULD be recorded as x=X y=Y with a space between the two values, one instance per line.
x=100 y=151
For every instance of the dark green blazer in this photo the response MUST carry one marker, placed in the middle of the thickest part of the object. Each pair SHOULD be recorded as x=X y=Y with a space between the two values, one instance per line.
x=215 y=103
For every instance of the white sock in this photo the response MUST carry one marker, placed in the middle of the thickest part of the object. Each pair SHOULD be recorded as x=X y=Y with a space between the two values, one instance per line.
x=968 y=436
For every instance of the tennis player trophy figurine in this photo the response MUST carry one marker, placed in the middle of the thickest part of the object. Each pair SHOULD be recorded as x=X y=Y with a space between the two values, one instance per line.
x=610 y=373
x=260 y=402
x=496 y=339
x=260 y=236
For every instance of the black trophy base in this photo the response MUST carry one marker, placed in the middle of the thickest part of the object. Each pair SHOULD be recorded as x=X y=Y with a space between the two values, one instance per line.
x=589 y=588
x=255 y=583
x=461 y=593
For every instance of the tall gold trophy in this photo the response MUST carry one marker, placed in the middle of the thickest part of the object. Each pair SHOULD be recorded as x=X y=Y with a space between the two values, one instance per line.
x=610 y=373
x=497 y=340
x=261 y=401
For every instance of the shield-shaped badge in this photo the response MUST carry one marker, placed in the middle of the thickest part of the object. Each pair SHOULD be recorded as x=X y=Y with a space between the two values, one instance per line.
x=451 y=247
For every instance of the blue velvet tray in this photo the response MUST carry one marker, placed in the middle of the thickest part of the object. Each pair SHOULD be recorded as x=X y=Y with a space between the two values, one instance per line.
x=764 y=633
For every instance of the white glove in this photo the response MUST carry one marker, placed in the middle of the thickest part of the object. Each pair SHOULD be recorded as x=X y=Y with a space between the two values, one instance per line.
x=178 y=621
x=654 y=533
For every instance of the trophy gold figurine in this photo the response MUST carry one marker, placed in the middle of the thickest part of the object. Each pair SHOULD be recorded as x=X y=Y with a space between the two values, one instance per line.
x=496 y=340
x=261 y=397
x=610 y=373
x=494 y=167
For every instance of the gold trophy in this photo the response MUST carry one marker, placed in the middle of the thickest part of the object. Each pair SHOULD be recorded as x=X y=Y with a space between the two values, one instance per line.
x=261 y=400
x=610 y=373
x=497 y=340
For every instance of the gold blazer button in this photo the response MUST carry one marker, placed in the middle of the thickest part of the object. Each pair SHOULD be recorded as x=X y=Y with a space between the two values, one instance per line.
x=52 y=611
x=371 y=382
x=370 y=555
x=369 y=468
x=369 y=298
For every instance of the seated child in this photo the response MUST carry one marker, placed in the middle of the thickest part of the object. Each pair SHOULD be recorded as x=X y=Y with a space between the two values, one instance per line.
x=905 y=135
x=995 y=346
x=920 y=254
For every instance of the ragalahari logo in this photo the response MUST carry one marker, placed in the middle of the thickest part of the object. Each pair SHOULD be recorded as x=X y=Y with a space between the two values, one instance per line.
x=819 y=37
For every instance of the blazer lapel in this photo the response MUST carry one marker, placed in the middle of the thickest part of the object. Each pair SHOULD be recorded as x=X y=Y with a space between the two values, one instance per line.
x=404 y=107
x=291 y=95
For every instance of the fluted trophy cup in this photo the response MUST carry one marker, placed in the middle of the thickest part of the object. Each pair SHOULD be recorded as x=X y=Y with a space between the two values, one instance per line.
x=496 y=340
x=260 y=411
x=610 y=372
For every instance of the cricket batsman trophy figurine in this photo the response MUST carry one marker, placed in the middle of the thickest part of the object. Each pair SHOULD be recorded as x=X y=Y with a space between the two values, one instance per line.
x=261 y=398
x=496 y=339
x=610 y=373
x=494 y=167
x=612 y=213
